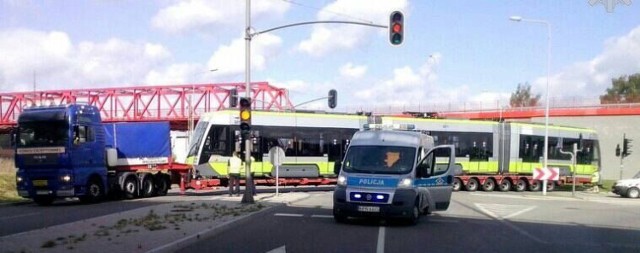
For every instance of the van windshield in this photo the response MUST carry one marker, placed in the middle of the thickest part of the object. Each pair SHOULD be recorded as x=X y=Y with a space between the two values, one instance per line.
x=379 y=159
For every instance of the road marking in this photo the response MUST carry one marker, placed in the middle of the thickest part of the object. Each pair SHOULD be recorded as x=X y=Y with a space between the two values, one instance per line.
x=489 y=209
x=281 y=249
x=380 y=248
x=288 y=214
x=17 y=216
x=322 y=216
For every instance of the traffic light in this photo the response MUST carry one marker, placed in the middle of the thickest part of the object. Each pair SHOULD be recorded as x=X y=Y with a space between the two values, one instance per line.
x=233 y=98
x=626 y=147
x=333 y=99
x=245 y=117
x=618 y=150
x=396 y=28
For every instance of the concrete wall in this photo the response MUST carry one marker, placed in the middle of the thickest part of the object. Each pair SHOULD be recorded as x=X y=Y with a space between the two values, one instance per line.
x=610 y=130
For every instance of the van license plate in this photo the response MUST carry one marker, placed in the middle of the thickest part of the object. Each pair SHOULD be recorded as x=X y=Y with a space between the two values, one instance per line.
x=369 y=209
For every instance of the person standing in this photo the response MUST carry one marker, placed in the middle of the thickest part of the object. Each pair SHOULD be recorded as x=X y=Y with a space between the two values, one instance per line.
x=233 y=168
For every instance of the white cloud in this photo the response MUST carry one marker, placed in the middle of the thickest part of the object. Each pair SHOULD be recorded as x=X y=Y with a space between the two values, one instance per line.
x=230 y=59
x=59 y=64
x=352 y=71
x=620 y=56
x=199 y=14
x=321 y=41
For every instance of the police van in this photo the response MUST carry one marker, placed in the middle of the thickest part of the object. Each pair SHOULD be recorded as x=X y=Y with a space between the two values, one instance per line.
x=393 y=172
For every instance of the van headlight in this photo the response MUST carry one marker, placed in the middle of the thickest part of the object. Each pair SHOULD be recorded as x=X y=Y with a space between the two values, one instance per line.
x=342 y=180
x=405 y=183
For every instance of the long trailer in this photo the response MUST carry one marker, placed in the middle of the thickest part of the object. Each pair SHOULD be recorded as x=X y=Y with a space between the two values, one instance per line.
x=489 y=155
x=66 y=151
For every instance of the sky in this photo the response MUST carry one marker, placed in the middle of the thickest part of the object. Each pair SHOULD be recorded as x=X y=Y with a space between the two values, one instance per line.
x=456 y=54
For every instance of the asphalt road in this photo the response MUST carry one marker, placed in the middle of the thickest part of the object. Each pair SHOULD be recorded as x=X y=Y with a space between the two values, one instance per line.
x=475 y=222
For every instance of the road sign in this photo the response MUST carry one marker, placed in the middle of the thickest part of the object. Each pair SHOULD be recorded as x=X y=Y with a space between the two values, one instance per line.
x=546 y=174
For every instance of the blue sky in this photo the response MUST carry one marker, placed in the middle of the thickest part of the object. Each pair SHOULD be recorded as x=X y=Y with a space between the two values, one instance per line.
x=455 y=54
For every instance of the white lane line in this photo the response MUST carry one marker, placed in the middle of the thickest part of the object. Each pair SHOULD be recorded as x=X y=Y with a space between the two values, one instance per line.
x=519 y=212
x=509 y=224
x=17 y=216
x=380 y=248
x=288 y=214
x=322 y=216
x=281 y=249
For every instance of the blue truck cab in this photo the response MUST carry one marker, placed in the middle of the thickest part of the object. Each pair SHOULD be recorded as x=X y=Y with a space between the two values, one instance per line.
x=393 y=172
x=55 y=153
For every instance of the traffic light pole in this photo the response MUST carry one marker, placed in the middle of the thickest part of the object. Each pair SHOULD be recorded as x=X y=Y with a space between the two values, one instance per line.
x=247 y=198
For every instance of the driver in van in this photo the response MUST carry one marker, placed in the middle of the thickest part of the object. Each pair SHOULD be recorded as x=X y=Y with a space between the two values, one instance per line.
x=391 y=159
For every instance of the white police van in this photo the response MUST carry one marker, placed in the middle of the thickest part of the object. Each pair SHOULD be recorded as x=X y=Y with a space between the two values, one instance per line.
x=391 y=172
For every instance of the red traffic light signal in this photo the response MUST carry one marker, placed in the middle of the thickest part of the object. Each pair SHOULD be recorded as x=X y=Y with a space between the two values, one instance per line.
x=396 y=28
x=245 y=116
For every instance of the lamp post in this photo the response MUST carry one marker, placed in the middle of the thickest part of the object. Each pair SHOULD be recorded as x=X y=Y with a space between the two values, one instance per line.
x=546 y=107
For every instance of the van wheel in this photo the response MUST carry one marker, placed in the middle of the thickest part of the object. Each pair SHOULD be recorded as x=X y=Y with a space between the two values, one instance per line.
x=505 y=185
x=43 y=200
x=457 y=184
x=472 y=185
x=130 y=188
x=521 y=185
x=415 y=215
x=94 y=193
x=338 y=217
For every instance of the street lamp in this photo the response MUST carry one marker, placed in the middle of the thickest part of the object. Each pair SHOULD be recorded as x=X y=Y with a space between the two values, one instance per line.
x=546 y=107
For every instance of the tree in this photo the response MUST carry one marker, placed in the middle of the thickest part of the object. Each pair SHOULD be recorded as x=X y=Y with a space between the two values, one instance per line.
x=624 y=89
x=522 y=97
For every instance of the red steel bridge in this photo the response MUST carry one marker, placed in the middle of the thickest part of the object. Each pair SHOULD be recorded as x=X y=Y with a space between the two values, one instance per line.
x=175 y=103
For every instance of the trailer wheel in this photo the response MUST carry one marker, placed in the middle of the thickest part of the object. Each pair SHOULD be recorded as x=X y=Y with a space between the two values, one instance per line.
x=472 y=185
x=535 y=186
x=95 y=191
x=633 y=193
x=162 y=185
x=505 y=185
x=551 y=185
x=457 y=184
x=148 y=188
x=489 y=185
x=521 y=185
x=130 y=187
x=43 y=200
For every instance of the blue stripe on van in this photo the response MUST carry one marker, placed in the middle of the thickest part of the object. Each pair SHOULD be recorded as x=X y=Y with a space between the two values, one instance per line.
x=372 y=182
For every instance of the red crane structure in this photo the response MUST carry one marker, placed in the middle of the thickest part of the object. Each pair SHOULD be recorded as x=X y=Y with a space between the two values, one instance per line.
x=175 y=103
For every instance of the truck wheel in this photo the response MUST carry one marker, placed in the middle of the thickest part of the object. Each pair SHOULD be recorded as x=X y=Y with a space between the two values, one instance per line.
x=130 y=188
x=489 y=185
x=338 y=217
x=521 y=185
x=457 y=184
x=43 y=200
x=535 y=186
x=472 y=185
x=162 y=186
x=148 y=189
x=505 y=185
x=633 y=193
x=94 y=193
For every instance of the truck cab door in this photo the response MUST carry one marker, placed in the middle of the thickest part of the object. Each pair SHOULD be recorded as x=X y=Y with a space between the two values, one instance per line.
x=434 y=177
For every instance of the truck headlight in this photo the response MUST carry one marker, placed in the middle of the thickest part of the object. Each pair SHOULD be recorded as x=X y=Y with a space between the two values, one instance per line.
x=65 y=178
x=19 y=179
x=405 y=183
x=342 y=180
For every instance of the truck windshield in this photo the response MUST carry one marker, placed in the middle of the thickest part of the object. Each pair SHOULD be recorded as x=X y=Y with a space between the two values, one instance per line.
x=380 y=159
x=42 y=134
